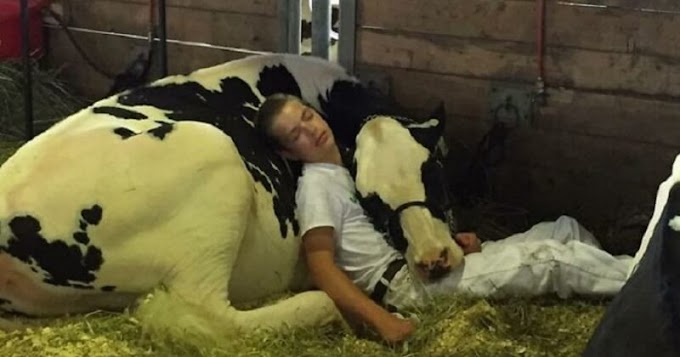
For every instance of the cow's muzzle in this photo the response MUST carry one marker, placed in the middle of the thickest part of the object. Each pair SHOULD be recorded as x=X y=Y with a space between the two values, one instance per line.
x=432 y=268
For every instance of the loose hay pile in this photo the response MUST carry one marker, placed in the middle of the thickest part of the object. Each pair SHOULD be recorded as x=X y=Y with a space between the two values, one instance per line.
x=451 y=327
x=52 y=101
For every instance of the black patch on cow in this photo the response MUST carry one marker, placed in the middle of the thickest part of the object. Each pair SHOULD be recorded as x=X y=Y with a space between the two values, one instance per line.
x=230 y=109
x=17 y=313
x=377 y=211
x=83 y=225
x=108 y=288
x=64 y=264
x=277 y=79
x=436 y=190
x=348 y=104
x=120 y=113
x=644 y=317
x=162 y=130
x=81 y=237
x=92 y=215
x=124 y=133
x=81 y=286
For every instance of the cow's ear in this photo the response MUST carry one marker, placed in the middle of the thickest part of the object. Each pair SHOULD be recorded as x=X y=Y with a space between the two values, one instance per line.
x=439 y=112
x=429 y=131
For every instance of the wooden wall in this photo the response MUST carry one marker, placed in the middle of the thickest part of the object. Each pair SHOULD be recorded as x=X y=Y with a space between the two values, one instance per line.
x=248 y=24
x=611 y=127
x=597 y=150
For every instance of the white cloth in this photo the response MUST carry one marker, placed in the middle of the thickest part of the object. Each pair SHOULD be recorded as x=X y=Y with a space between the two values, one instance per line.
x=560 y=257
x=326 y=197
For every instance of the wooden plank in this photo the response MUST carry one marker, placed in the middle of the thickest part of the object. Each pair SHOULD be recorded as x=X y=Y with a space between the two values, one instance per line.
x=547 y=189
x=83 y=78
x=595 y=201
x=616 y=116
x=256 y=7
x=643 y=163
x=216 y=27
x=573 y=154
x=643 y=120
x=614 y=30
x=659 y=5
x=571 y=68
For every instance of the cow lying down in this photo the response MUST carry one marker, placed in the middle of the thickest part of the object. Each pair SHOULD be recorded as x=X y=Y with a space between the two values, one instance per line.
x=165 y=193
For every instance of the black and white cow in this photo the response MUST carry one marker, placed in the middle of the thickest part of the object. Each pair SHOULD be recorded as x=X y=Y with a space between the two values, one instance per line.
x=166 y=192
x=644 y=318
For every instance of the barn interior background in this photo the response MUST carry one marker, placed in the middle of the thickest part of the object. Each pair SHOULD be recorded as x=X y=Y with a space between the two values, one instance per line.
x=595 y=145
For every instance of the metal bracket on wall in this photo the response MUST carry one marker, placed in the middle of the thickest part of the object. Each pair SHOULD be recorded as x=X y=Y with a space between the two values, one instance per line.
x=511 y=104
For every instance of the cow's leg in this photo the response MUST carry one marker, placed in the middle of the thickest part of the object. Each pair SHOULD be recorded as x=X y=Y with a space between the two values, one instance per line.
x=216 y=321
x=195 y=299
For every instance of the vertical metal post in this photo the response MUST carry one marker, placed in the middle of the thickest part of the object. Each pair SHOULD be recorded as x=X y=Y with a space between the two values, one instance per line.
x=26 y=59
x=289 y=20
x=321 y=28
x=347 y=41
x=163 y=38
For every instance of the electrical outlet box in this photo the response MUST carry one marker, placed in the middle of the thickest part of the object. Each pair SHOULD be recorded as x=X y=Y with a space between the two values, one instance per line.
x=511 y=104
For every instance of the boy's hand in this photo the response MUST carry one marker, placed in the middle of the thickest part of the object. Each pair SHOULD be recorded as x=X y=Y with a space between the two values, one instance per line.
x=395 y=329
x=469 y=242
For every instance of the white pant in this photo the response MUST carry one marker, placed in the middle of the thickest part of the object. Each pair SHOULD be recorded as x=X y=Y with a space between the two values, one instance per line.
x=560 y=257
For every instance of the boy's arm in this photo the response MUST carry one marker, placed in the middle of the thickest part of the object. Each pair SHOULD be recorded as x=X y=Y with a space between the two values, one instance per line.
x=319 y=246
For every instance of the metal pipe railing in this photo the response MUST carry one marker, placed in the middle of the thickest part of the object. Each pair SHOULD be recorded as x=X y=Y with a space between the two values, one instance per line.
x=346 y=42
x=162 y=34
x=289 y=19
x=321 y=28
x=26 y=60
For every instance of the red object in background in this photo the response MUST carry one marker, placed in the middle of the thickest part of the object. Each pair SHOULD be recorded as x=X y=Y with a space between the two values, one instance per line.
x=10 y=28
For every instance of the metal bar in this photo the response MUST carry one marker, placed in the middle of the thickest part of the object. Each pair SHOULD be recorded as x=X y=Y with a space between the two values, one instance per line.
x=347 y=41
x=289 y=26
x=177 y=42
x=162 y=33
x=321 y=28
x=598 y=6
x=26 y=59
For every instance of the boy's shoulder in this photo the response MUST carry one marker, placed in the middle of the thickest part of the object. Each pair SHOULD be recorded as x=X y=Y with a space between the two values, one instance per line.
x=324 y=177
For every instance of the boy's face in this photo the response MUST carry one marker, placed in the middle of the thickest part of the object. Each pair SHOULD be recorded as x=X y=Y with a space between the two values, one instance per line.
x=303 y=134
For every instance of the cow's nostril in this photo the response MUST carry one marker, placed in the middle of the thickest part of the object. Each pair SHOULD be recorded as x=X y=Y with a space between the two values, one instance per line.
x=439 y=271
x=444 y=257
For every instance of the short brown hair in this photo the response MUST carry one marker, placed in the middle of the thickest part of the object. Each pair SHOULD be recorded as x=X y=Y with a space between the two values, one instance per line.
x=269 y=109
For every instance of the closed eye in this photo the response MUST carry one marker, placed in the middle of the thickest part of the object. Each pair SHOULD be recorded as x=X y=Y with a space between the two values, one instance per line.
x=307 y=114
x=294 y=134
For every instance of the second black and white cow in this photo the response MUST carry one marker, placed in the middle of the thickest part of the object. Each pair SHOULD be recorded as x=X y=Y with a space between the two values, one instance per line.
x=165 y=192
x=644 y=318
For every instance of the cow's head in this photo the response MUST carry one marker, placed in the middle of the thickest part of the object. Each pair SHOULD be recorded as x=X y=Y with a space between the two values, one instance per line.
x=400 y=180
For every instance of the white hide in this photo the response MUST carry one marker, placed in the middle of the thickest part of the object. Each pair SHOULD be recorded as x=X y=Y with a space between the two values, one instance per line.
x=660 y=204
x=393 y=172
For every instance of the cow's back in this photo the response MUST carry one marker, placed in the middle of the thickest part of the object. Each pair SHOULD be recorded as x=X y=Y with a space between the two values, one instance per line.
x=91 y=212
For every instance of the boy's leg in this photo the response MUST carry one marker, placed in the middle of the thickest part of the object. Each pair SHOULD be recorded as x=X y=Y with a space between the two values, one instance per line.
x=564 y=229
x=529 y=268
